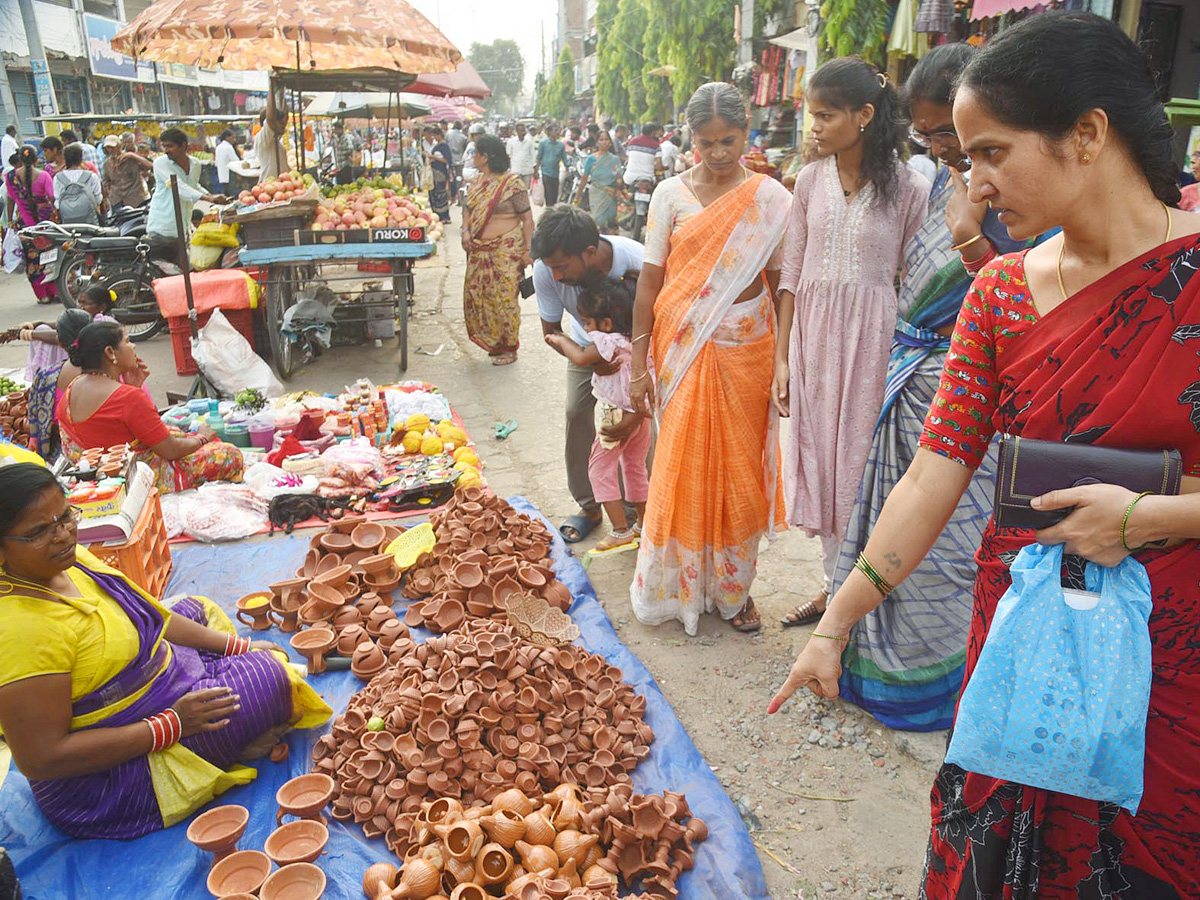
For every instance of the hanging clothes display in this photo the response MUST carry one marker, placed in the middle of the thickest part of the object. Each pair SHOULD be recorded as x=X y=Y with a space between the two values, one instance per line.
x=935 y=16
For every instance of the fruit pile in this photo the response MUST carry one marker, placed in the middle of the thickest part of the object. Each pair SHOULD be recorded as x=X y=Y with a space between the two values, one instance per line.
x=390 y=182
x=7 y=385
x=377 y=208
x=417 y=434
x=288 y=186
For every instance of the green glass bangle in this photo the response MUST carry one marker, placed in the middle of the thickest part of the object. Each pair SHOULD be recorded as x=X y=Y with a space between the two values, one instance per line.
x=1125 y=519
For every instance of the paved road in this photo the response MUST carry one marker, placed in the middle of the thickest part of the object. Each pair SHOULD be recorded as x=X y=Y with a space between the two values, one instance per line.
x=873 y=844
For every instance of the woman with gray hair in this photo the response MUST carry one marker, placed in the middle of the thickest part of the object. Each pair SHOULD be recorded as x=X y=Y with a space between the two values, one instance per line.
x=705 y=312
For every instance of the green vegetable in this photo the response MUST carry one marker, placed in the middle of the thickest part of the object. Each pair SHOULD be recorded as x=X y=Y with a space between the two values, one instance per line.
x=375 y=724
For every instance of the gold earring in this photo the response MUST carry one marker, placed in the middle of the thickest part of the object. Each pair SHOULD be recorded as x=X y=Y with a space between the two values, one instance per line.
x=1086 y=158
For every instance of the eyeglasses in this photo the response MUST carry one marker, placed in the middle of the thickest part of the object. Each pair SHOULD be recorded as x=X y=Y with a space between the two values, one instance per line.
x=926 y=140
x=43 y=534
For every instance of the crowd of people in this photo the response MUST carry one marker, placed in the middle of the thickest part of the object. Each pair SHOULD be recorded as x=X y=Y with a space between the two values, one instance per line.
x=1041 y=293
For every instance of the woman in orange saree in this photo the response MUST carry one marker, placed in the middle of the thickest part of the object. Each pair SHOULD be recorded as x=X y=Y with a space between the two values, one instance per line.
x=497 y=231
x=705 y=315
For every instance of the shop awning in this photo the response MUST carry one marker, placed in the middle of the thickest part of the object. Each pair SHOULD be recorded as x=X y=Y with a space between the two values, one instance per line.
x=793 y=40
x=986 y=9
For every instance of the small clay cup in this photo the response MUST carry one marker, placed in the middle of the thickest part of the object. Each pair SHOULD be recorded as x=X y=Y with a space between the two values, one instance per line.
x=286 y=619
x=255 y=610
x=367 y=536
x=304 y=797
x=296 y=842
x=349 y=639
x=291 y=591
x=367 y=661
x=336 y=542
x=327 y=599
x=313 y=644
x=299 y=881
x=218 y=830
x=241 y=872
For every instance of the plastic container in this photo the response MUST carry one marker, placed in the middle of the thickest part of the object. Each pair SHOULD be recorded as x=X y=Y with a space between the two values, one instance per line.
x=198 y=405
x=238 y=434
x=262 y=432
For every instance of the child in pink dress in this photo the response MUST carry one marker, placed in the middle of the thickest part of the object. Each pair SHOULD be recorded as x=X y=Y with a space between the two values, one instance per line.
x=606 y=309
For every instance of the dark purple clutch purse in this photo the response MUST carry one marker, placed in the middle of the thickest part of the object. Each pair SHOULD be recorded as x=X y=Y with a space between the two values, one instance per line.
x=1030 y=468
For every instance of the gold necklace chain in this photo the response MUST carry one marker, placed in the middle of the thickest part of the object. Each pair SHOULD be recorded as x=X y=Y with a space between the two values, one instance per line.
x=1063 y=246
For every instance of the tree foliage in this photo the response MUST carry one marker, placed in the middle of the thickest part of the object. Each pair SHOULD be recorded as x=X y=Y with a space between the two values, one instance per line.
x=558 y=94
x=502 y=66
x=694 y=37
x=856 y=28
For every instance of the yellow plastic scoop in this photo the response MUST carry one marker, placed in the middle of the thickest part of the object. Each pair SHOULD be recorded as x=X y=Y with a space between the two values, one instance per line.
x=412 y=544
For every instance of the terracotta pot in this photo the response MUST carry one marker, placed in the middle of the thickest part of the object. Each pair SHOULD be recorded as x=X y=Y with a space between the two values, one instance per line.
x=349 y=639
x=572 y=846
x=241 y=872
x=367 y=602
x=354 y=560
x=557 y=594
x=450 y=615
x=379 y=615
x=347 y=524
x=304 y=797
x=494 y=865
x=390 y=533
x=379 y=566
x=463 y=839
x=299 y=881
x=391 y=631
x=368 y=660
x=419 y=879
x=505 y=826
x=469 y=891
x=382 y=586
x=538 y=829
x=468 y=574
x=535 y=857
x=334 y=577
x=336 y=542
x=296 y=842
x=313 y=644
x=290 y=591
x=327 y=599
x=367 y=536
x=329 y=562
x=218 y=830
x=254 y=610
x=311 y=560
x=347 y=616
x=378 y=880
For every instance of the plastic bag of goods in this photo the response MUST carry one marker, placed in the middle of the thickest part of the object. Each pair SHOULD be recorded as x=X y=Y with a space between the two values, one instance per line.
x=229 y=362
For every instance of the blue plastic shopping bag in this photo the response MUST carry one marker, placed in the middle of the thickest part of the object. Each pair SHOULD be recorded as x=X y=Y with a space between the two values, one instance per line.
x=1059 y=696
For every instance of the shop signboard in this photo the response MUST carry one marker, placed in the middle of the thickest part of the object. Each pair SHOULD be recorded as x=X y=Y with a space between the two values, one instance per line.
x=43 y=87
x=104 y=60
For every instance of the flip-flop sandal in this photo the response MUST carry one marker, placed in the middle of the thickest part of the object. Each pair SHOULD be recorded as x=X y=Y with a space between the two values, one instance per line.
x=623 y=544
x=504 y=429
x=577 y=527
x=741 y=622
x=803 y=614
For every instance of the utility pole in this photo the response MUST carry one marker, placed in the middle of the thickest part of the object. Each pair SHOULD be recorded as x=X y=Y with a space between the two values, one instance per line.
x=47 y=105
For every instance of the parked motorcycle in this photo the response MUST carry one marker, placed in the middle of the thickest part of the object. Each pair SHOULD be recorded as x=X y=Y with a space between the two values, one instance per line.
x=123 y=265
x=643 y=188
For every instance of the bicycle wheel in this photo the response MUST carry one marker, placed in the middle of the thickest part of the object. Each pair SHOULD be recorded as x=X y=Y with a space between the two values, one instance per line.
x=280 y=297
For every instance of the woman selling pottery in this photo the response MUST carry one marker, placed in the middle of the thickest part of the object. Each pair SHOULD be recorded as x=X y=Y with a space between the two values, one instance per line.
x=105 y=406
x=124 y=715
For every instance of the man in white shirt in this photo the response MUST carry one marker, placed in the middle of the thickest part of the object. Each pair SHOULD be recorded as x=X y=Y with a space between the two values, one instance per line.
x=670 y=154
x=521 y=148
x=568 y=251
x=165 y=240
x=268 y=144
x=226 y=156
x=8 y=146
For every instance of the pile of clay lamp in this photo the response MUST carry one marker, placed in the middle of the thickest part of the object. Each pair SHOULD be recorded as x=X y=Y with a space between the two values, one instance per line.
x=485 y=551
x=559 y=844
x=469 y=714
x=109 y=462
x=14 y=417
x=340 y=600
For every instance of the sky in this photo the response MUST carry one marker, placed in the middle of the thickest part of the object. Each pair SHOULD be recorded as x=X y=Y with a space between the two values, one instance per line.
x=469 y=21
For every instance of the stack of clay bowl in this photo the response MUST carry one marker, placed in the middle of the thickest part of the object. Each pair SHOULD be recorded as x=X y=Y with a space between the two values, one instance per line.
x=339 y=602
x=470 y=714
x=485 y=551
x=14 y=421
x=548 y=845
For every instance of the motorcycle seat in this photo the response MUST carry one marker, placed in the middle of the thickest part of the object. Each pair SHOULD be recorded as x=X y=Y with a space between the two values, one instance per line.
x=107 y=243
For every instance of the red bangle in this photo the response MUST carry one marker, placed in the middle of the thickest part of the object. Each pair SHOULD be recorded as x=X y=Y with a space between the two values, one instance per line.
x=236 y=646
x=166 y=729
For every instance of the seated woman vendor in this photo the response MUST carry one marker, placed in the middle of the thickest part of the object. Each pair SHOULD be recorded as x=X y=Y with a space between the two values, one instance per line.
x=124 y=716
x=98 y=410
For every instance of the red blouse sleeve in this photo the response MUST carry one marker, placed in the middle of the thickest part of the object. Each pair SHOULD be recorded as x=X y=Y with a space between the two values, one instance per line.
x=959 y=423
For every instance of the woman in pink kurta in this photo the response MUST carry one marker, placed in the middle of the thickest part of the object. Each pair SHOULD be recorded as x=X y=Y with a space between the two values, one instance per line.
x=852 y=213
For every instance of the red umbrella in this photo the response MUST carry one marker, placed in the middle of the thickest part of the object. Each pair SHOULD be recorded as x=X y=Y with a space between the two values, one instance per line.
x=445 y=108
x=462 y=82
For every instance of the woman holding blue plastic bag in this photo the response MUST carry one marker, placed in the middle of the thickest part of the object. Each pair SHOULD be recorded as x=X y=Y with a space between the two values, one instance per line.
x=1090 y=338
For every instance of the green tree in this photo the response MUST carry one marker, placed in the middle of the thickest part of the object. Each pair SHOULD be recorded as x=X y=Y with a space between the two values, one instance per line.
x=615 y=58
x=502 y=66
x=856 y=28
x=695 y=37
x=557 y=96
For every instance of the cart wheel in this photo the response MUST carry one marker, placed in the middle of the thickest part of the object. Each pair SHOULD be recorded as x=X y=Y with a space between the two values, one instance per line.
x=401 y=287
x=279 y=299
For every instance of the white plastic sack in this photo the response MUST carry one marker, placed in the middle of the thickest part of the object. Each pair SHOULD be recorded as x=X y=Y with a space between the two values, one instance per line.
x=229 y=362
x=269 y=482
x=223 y=512
x=14 y=256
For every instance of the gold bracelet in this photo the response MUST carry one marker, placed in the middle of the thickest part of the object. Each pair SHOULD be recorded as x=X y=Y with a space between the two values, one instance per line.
x=830 y=637
x=958 y=248
x=639 y=378
x=880 y=583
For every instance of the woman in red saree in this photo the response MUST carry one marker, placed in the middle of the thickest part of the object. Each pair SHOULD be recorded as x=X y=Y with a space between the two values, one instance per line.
x=1091 y=338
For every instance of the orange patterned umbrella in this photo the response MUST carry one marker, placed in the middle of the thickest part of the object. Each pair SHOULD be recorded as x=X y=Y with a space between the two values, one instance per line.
x=313 y=35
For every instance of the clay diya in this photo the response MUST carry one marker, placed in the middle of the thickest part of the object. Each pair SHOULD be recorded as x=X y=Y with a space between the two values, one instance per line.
x=291 y=591
x=384 y=585
x=327 y=599
x=218 y=830
x=286 y=619
x=296 y=842
x=239 y=873
x=313 y=644
x=468 y=574
x=258 y=607
x=350 y=637
x=328 y=562
x=380 y=566
x=299 y=881
x=309 y=568
x=347 y=616
x=367 y=602
x=347 y=525
x=367 y=536
x=304 y=797
x=379 y=616
x=336 y=542
x=557 y=594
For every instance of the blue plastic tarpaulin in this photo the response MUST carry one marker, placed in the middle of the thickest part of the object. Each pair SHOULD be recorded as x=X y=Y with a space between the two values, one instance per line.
x=52 y=866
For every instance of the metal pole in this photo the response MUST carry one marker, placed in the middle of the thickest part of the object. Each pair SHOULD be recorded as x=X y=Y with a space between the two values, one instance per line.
x=183 y=256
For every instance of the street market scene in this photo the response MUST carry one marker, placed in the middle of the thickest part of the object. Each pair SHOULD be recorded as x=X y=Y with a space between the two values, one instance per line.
x=595 y=449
